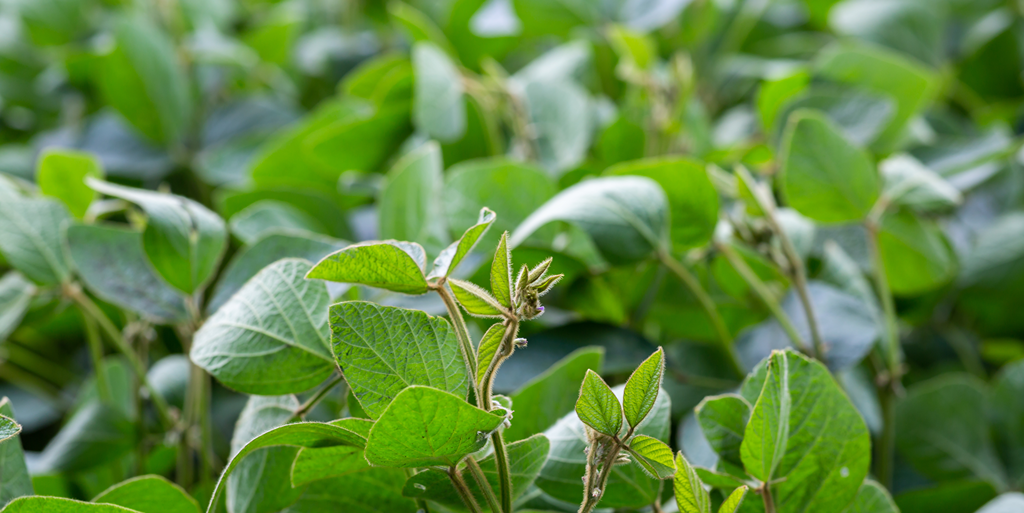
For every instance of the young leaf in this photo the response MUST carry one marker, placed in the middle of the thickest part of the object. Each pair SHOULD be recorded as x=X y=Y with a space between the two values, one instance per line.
x=735 y=499
x=149 y=494
x=642 y=388
x=390 y=264
x=449 y=259
x=723 y=419
x=474 y=299
x=626 y=216
x=111 y=261
x=688 y=488
x=824 y=176
x=183 y=239
x=488 y=348
x=30 y=238
x=653 y=455
x=598 y=407
x=15 y=297
x=872 y=498
x=501 y=273
x=383 y=349
x=425 y=426
x=14 y=477
x=543 y=400
x=271 y=337
x=61 y=174
x=439 y=106
x=409 y=205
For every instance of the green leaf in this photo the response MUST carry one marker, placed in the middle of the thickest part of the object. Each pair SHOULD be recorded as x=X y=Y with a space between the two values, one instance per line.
x=383 y=349
x=39 y=504
x=374 y=489
x=95 y=435
x=501 y=272
x=409 y=204
x=910 y=183
x=688 y=488
x=271 y=337
x=61 y=174
x=477 y=301
x=439 y=106
x=260 y=481
x=8 y=428
x=915 y=254
x=560 y=113
x=526 y=458
x=549 y=396
x=775 y=94
x=692 y=199
x=449 y=259
x=314 y=464
x=653 y=456
x=110 y=261
x=636 y=48
x=802 y=411
x=723 y=419
x=30 y=238
x=183 y=239
x=300 y=434
x=247 y=262
x=872 y=498
x=390 y=264
x=622 y=140
x=1008 y=416
x=942 y=430
x=642 y=388
x=263 y=217
x=425 y=426
x=824 y=176
x=734 y=500
x=598 y=407
x=16 y=295
x=363 y=141
x=488 y=348
x=149 y=494
x=14 y=477
x=143 y=79
x=626 y=216
x=419 y=27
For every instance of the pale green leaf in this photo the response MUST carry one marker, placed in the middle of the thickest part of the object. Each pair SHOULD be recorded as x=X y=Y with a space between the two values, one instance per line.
x=439 y=106
x=653 y=456
x=111 y=262
x=477 y=301
x=409 y=204
x=263 y=217
x=872 y=498
x=61 y=174
x=723 y=419
x=183 y=239
x=449 y=259
x=548 y=397
x=372 y=490
x=642 y=388
x=598 y=407
x=560 y=113
x=15 y=297
x=488 y=348
x=383 y=349
x=149 y=494
x=501 y=273
x=261 y=480
x=774 y=94
x=30 y=238
x=391 y=265
x=915 y=254
x=635 y=47
x=734 y=500
x=14 y=477
x=691 y=497
x=824 y=176
x=425 y=426
x=1009 y=502
x=908 y=182
x=314 y=464
x=626 y=216
x=271 y=337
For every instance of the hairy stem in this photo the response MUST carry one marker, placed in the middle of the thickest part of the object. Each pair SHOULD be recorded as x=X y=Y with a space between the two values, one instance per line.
x=460 y=486
x=766 y=498
x=461 y=333
x=96 y=352
x=505 y=349
x=595 y=490
x=315 y=399
x=766 y=296
x=483 y=484
x=504 y=472
x=691 y=282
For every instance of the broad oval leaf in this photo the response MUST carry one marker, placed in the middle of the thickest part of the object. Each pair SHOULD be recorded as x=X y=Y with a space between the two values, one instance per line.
x=824 y=176
x=723 y=419
x=627 y=216
x=260 y=481
x=425 y=426
x=598 y=407
x=271 y=337
x=390 y=264
x=183 y=239
x=409 y=205
x=560 y=112
x=382 y=350
x=653 y=456
x=642 y=388
x=30 y=237
x=915 y=254
x=111 y=261
x=61 y=174
x=149 y=494
x=267 y=216
x=439 y=106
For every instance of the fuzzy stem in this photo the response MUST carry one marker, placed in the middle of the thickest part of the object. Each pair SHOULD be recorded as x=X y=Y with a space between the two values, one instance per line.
x=594 y=491
x=894 y=363
x=96 y=352
x=505 y=349
x=461 y=333
x=504 y=472
x=315 y=399
x=481 y=481
x=460 y=486
x=691 y=282
x=765 y=294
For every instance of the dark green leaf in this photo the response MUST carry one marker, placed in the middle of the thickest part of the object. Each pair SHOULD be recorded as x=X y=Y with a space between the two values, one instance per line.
x=315 y=464
x=410 y=202
x=723 y=419
x=94 y=436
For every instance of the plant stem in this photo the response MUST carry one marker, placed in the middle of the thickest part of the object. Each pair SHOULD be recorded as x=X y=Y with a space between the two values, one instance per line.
x=691 y=282
x=115 y=335
x=594 y=489
x=310 y=403
x=481 y=481
x=505 y=349
x=96 y=352
x=461 y=333
x=766 y=497
x=504 y=473
x=765 y=294
x=464 y=493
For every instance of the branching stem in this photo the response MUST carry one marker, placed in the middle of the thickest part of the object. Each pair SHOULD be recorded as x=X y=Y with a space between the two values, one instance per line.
x=461 y=333
x=315 y=399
